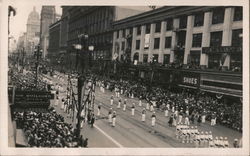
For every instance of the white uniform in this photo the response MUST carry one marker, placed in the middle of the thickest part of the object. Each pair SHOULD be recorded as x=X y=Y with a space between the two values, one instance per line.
x=147 y=106
x=133 y=111
x=151 y=108
x=153 y=120
x=124 y=107
x=143 y=115
x=140 y=103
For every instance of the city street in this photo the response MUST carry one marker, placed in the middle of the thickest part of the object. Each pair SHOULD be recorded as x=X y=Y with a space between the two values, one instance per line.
x=130 y=131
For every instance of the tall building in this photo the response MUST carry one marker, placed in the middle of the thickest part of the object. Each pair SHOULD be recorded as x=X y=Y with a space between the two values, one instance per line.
x=33 y=32
x=48 y=16
x=200 y=46
x=96 y=23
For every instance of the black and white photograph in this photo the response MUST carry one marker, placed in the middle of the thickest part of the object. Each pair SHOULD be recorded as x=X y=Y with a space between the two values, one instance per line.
x=168 y=78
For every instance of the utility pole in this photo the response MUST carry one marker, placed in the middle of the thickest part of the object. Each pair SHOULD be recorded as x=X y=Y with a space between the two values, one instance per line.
x=38 y=54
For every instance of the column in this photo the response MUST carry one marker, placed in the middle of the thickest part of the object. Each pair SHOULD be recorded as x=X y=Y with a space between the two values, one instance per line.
x=151 y=41
x=162 y=41
x=206 y=38
x=133 y=42
x=114 y=41
x=143 y=31
x=176 y=23
x=227 y=34
x=120 y=44
x=189 y=38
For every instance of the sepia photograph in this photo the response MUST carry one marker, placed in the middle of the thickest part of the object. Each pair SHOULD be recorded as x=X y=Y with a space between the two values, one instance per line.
x=127 y=76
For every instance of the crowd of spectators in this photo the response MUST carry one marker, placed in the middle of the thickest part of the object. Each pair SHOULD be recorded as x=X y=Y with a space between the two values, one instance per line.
x=47 y=129
x=197 y=103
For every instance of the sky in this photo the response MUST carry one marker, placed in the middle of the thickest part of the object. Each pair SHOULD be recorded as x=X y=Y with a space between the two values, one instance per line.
x=18 y=22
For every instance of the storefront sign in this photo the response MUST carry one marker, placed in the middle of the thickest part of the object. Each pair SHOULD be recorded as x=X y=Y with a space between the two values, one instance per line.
x=30 y=99
x=147 y=41
x=224 y=49
x=190 y=79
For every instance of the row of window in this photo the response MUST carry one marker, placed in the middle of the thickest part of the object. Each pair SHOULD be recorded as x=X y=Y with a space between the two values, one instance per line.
x=215 y=40
x=217 y=17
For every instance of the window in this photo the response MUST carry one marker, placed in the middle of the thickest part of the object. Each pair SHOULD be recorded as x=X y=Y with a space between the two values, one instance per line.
x=183 y=22
x=145 y=58
x=237 y=38
x=214 y=61
x=236 y=62
x=123 y=32
x=117 y=34
x=166 y=58
x=216 y=39
x=195 y=58
x=197 y=38
x=169 y=24
x=168 y=42
x=158 y=27
x=123 y=45
x=148 y=26
x=198 y=19
x=137 y=46
x=138 y=30
x=156 y=43
x=155 y=58
x=130 y=31
x=238 y=14
x=218 y=16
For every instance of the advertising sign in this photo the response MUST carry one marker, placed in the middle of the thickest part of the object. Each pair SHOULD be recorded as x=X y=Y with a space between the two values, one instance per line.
x=190 y=79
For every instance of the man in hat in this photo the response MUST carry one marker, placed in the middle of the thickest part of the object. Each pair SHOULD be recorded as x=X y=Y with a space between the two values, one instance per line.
x=140 y=101
x=113 y=119
x=119 y=103
x=99 y=109
x=153 y=117
x=110 y=115
x=111 y=100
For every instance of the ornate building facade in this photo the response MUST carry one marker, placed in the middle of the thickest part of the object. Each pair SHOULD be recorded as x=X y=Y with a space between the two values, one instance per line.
x=33 y=32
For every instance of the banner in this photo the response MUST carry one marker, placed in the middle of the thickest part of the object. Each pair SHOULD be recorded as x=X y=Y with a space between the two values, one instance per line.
x=147 y=41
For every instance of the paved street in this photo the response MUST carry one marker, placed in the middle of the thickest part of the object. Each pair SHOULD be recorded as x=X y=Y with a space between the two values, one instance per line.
x=130 y=131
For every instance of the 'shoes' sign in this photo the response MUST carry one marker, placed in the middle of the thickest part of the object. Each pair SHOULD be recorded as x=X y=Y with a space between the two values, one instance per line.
x=190 y=79
x=33 y=99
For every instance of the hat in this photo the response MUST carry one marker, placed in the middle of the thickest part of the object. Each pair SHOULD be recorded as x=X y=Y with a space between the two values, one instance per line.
x=225 y=138
x=210 y=132
x=221 y=138
x=216 y=137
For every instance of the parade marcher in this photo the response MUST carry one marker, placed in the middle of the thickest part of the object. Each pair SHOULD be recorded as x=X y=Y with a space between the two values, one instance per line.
x=62 y=104
x=192 y=134
x=177 y=131
x=174 y=120
x=111 y=100
x=236 y=143
x=113 y=119
x=166 y=111
x=202 y=139
x=203 y=117
x=92 y=120
x=187 y=120
x=110 y=115
x=140 y=101
x=197 y=140
x=210 y=140
x=213 y=120
x=206 y=139
x=216 y=142
x=153 y=119
x=119 y=103
x=99 y=109
x=124 y=105
x=151 y=108
x=133 y=109
x=173 y=109
x=57 y=100
x=170 y=121
x=143 y=115
x=147 y=106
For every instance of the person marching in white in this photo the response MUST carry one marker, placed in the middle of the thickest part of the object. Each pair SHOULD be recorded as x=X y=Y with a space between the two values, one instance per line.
x=113 y=119
x=57 y=100
x=147 y=106
x=133 y=109
x=82 y=118
x=124 y=105
x=119 y=103
x=173 y=109
x=187 y=120
x=110 y=115
x=151 y=108
x=99 y=109
x=210 y=140
x=140 y=102
x=111 y=100
x=153 y=119
x=62 y=105
x=226 y=143
x=143 y=115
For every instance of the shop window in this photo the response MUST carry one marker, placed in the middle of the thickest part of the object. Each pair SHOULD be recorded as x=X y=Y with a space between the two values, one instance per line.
x=197 y=39
x=117 y=34
x=195 y=58
x=238 y=14
x=158 y=27
x=169 y=24
x=183 y=22
x=155 y=58
x=218 y=15
x=168 y=41
x=216 y=39
x=237 y=38
x=166 y=58
x=138 y=30
x=145 y=58
x=198 y=19
x=156 y=43
x=236 y=62
x=137 y=46
x=214 y=61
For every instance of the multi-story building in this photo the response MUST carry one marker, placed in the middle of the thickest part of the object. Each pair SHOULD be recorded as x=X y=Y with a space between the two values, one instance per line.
x=54 y=42
x=204 y=42
x=48 y=16
x=33 y=32
x=96 y=23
